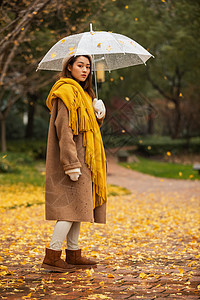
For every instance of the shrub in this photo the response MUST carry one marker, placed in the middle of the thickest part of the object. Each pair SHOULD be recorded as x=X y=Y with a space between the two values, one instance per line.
x=34 y=148
x=5 y=166
x=14 y=126
x=40 y=128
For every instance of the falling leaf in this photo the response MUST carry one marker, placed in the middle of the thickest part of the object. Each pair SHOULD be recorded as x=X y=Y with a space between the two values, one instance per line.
x=168 y=153
x=70 y=53
x=22 y=28
x=127 y=98
x=63 y=40
x=126 y=7
x=149 y=147
x=180 y=173
x=99 y=45
x=4 y=156
x=180 y=95
x=121 y=78
x=136 y=19
x=111 y=79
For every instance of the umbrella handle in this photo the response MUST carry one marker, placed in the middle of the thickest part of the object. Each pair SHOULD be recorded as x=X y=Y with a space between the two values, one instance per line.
x=95 y=78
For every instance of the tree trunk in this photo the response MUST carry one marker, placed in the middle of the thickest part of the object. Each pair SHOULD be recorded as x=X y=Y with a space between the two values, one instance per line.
x=3 y=134
x=150 y=124
x=32 y=99
x=177 y=120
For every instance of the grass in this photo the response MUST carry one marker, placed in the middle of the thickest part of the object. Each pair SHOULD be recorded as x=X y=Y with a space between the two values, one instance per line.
x=22 y=181
x=23 y=169
x=163 y=169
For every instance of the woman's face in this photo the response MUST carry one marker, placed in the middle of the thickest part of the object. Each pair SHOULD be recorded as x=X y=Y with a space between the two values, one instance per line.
x=80 y=69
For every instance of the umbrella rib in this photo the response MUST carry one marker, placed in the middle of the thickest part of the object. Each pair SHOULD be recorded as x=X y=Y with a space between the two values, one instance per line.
x=118 y=43
x=106 y=62
x=79 y=41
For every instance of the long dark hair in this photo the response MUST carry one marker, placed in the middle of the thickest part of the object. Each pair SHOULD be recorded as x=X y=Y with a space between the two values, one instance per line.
x=87 y=84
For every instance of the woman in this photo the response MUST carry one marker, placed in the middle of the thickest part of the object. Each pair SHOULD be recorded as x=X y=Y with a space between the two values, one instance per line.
x=75 y=164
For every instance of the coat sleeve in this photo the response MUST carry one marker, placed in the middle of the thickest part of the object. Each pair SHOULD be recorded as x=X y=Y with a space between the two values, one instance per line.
x=68 y=151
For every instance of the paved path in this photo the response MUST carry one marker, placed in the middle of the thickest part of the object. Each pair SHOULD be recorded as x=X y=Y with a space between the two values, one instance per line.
x=149 y=248
x=143 y=183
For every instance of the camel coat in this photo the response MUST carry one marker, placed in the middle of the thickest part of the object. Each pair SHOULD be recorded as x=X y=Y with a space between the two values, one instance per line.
x=66 y=199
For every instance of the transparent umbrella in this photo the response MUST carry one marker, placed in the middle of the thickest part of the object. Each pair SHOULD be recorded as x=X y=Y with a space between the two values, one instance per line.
x=110 y=51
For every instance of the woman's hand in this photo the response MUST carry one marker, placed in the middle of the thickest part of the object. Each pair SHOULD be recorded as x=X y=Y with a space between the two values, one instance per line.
x=99 y=108
x=74 y=174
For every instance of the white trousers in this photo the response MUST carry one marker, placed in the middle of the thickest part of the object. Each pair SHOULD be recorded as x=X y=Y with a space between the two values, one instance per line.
x=62 y=230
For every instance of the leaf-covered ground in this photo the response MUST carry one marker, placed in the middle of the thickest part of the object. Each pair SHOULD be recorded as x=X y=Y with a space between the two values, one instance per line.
x=149 y=249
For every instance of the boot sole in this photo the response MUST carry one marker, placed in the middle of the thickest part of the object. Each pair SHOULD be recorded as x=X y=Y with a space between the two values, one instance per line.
x=57 y=269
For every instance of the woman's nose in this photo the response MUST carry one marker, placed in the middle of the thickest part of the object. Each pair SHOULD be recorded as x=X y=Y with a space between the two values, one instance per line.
x=84 y=69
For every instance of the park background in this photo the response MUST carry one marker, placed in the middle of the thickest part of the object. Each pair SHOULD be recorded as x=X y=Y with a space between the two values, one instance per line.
x=154 y=107
x=149 y=247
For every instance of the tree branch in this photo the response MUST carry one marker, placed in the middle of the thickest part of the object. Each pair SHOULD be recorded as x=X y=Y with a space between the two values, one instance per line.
x=157 y=87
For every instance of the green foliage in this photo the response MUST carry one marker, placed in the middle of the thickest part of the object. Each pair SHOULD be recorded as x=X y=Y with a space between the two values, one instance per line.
x=33 y=148
x=154 y=145
x=40 y=128
x=170 y=31
x=14 y=126
x=5 y=166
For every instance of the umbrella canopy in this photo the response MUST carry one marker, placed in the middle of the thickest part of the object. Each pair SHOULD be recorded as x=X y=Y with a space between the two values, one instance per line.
x=113 y=50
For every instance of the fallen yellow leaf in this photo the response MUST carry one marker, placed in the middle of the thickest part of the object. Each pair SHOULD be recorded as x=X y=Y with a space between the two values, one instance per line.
x=143 y=275
x=110 y=276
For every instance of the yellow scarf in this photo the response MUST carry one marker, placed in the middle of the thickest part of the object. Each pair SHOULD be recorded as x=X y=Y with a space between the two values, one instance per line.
x=82 y=119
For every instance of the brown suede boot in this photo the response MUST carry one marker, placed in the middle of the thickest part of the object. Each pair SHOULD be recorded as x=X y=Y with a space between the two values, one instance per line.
x=74 y=257
x=53 y=262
